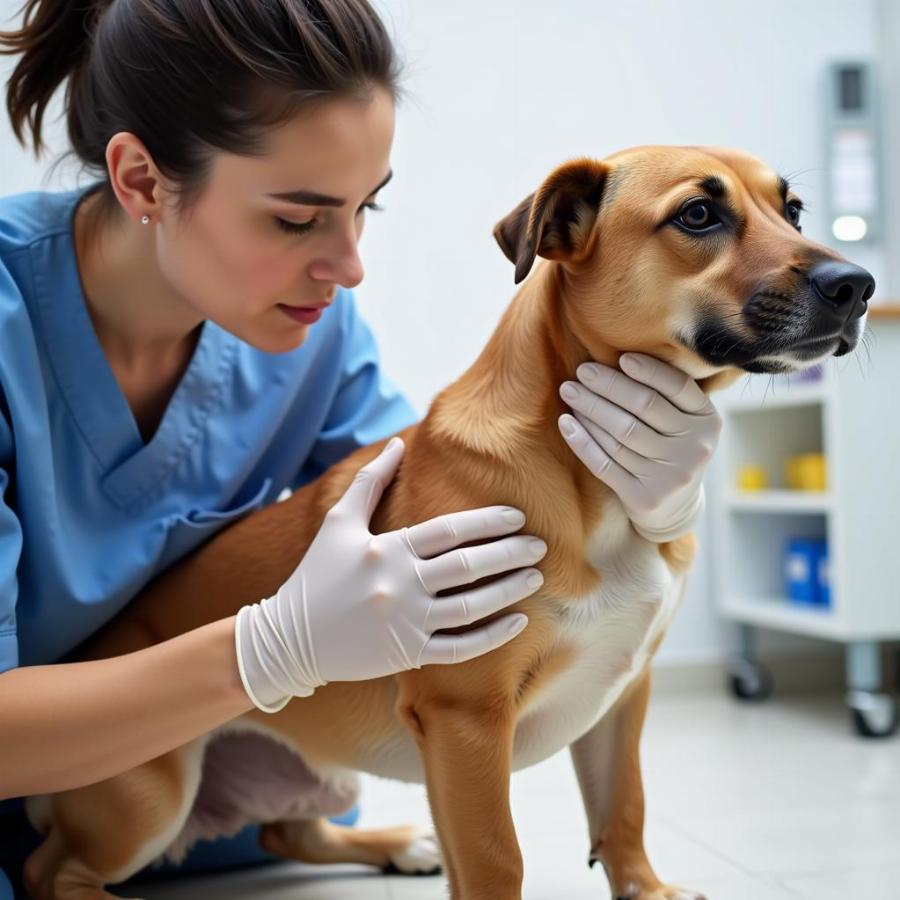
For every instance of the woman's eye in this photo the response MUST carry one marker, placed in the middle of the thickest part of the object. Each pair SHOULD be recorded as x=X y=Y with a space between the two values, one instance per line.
x=698 y=216
x=294 y=227
x=305 y=227
x=792 y=213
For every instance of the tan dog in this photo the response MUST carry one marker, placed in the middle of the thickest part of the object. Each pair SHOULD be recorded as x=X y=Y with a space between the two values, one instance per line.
x=687 y=254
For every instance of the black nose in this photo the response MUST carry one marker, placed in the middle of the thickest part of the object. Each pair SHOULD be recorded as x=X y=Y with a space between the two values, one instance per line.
x=843 y=287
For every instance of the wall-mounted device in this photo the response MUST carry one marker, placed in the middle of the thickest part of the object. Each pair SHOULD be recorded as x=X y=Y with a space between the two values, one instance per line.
x=853 y=184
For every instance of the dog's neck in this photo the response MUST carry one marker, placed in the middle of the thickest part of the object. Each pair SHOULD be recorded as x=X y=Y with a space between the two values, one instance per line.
x=507 y=403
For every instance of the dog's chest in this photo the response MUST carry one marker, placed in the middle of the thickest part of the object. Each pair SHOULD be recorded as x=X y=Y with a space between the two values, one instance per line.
x=611 y=633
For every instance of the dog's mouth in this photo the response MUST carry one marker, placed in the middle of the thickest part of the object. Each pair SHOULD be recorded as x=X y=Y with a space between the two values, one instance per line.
x=777 y=352
x=782 y=332
x=830 y=345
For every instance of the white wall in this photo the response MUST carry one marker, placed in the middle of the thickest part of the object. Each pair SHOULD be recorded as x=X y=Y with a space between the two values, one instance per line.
x=504 y=90
x=889 y=72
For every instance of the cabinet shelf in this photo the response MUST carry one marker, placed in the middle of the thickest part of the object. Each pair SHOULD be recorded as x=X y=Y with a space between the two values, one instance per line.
x=785 y=397
x=782 y=615
x=850 y=417
x=780 y=501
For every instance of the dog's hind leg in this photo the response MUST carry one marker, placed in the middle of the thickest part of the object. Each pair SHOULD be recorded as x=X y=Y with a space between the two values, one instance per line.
x=51 y=873
x=608 y=767
x=104 y=833
x=406 y=849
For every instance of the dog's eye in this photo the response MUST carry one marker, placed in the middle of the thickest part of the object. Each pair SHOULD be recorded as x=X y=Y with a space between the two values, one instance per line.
x=698 y=216
x=792 y=213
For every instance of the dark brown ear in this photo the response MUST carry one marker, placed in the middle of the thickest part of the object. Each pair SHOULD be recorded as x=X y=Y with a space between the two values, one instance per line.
x=556 y=221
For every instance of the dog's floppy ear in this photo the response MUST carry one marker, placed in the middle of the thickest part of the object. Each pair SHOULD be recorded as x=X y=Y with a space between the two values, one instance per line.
x=556 y=221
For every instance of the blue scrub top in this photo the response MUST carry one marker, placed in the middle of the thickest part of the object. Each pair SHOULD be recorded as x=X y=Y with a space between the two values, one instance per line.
x=88 y=512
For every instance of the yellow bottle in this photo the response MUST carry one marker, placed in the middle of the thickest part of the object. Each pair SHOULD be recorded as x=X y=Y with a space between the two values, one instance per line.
x=805 y=472
x=752 y=478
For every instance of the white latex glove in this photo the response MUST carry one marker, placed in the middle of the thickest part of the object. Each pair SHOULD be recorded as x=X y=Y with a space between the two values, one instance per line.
x=648 y=437
x=361 y=606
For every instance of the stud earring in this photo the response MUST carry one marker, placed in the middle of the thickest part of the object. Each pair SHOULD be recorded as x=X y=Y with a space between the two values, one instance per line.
x=145 y=220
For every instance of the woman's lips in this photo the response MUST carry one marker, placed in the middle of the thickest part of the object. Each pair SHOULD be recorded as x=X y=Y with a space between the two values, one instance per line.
x=305 y=314
x=308 y=314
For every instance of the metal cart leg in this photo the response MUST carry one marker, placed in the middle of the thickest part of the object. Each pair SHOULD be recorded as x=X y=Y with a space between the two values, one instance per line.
x=749 y=679
x=874 y=712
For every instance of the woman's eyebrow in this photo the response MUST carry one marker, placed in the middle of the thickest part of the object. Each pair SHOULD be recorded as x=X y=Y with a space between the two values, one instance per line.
x=311 y=198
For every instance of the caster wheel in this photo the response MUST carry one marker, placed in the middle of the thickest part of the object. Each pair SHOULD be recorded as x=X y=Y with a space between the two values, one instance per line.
x=874 y=714
x=750 y=681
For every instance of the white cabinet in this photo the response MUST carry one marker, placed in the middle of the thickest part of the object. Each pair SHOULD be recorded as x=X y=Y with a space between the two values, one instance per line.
x=852 y=416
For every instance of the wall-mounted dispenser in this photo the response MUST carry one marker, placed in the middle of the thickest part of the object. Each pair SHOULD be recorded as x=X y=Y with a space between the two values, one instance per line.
x=853 y=184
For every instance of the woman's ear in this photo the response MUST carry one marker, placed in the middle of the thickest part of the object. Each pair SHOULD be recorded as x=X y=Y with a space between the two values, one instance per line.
x=557 y=221
x=134 y=177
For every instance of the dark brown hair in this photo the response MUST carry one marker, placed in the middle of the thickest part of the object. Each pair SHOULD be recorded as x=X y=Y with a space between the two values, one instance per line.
x=189 y=76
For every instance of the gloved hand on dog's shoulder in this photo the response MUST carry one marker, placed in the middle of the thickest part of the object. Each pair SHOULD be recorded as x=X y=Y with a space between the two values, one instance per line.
x=647 y=431
x=362 y=605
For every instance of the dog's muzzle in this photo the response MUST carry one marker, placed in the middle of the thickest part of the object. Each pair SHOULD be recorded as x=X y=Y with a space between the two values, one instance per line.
x=823 y=316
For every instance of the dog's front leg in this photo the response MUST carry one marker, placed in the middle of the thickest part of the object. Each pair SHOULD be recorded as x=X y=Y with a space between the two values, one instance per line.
x=467 y=752
x=608 y=767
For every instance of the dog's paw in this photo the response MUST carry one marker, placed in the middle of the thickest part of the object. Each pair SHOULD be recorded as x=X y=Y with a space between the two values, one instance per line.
x=663 y=892
x=671 y=892
x=422 y=856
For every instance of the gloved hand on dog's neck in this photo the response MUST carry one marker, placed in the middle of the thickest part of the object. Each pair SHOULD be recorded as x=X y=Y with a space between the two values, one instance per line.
x=647 y=431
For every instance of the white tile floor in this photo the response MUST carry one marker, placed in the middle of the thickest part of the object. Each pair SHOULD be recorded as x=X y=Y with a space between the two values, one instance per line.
x=778 y=801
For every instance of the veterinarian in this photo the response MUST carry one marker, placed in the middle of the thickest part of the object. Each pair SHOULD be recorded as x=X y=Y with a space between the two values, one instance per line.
x=179 y=343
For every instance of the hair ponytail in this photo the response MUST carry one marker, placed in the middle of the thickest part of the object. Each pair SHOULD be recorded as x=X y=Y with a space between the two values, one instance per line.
x=54 y=41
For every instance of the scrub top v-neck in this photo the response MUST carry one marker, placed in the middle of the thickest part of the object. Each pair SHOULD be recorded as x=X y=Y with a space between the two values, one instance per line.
x=89 y=513
x=89 y=387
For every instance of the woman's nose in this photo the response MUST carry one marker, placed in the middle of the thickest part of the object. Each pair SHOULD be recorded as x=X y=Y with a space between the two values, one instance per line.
x=341 y=262
x=350 y=270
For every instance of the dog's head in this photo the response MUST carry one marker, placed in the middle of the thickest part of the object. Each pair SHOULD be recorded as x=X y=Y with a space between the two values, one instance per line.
x=691 y=254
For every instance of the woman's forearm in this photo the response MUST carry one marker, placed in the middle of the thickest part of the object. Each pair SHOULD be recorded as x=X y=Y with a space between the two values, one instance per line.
x=72 y=724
